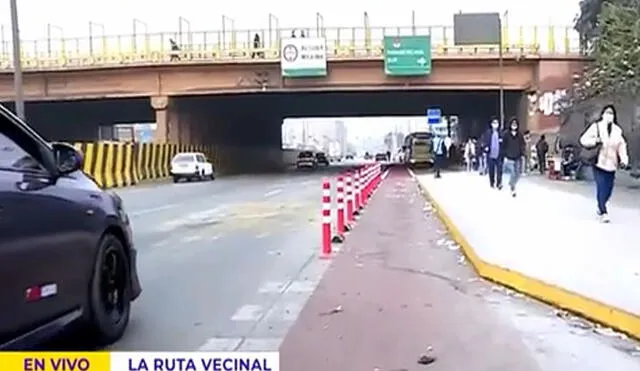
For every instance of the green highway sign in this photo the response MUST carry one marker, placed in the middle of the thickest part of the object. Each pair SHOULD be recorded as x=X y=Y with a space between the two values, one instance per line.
x=407 y=55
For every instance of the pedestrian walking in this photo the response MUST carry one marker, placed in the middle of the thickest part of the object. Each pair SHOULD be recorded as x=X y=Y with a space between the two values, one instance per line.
x=470 y=154
x=257 y=46
x=542 y=148
x=526 y=166
x=605 y=149
x=492 y=140
x=513 y=152
x=441 y=146
x=175 y=50
x=481 y=157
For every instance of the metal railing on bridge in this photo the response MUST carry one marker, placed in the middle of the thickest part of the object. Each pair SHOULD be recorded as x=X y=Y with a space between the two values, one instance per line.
x=232 y=45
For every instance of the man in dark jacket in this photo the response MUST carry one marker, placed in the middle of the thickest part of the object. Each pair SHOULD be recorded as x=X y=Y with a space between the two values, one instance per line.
x=542 y=148
x=513 y=151
x=492 y=142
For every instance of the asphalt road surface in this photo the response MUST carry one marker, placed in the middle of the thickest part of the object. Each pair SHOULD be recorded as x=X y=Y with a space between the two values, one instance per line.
x=229 y=264
x=224 y=264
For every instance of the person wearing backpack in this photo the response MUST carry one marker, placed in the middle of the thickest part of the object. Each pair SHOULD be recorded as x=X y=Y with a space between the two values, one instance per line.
x=605 y=149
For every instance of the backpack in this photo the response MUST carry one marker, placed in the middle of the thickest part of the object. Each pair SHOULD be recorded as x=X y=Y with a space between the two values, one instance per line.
x=589 y=155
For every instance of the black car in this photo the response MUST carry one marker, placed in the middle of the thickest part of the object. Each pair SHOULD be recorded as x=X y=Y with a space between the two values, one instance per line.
x=66 y=251
x=321 y=159
x=306 y=159
x=381 y=157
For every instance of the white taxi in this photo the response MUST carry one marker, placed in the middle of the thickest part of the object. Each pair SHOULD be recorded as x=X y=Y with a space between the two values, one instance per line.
x=191 y=166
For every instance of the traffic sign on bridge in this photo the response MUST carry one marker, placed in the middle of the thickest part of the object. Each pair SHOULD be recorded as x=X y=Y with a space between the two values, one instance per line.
x=407 y=55
x=434 y=116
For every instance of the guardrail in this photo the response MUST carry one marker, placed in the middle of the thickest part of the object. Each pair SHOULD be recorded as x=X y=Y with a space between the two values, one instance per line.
x=238 y=46
x=114 y=164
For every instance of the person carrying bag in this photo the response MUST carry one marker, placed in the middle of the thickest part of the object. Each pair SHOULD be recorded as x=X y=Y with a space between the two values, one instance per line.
x=605 y=149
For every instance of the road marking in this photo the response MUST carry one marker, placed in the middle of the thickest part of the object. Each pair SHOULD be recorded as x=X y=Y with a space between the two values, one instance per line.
x=302 y=286
x=259 y=345
x=272 y=287
x=284 y=312
x=220 y=345
x=273 y=192
x=192 y=238
x=249 y=312
x=278 y=287
x=151 y=210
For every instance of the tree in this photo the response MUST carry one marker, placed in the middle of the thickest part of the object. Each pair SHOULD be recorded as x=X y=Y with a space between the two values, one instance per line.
x=615 y=70
x=587 y=21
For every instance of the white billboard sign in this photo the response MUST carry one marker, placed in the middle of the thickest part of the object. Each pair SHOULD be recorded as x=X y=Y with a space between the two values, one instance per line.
x=303 y=57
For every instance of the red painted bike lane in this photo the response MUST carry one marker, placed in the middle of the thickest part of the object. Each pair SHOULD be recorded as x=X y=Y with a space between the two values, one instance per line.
x=396 y=296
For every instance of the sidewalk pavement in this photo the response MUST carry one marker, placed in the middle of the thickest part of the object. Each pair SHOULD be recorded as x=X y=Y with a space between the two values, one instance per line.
x=394 y=295
x=623 y=195
x=547 y=243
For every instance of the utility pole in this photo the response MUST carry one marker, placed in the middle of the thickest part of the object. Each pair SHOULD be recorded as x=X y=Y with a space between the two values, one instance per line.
x=17 y=62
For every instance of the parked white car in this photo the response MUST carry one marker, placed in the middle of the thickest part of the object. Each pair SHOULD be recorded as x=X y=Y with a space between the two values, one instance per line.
x=191 y=166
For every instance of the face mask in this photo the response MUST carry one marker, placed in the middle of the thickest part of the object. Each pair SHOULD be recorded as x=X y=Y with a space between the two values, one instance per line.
x=494 y=125
x=514 y=128
x=608 y=118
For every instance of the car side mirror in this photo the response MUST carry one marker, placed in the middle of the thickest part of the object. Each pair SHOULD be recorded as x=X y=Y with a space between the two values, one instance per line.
x=68 y=159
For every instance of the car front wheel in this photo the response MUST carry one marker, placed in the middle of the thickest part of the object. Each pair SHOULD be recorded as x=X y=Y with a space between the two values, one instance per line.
x=110 y=292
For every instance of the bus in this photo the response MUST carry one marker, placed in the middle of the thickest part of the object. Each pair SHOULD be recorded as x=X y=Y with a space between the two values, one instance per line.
x=418 y=149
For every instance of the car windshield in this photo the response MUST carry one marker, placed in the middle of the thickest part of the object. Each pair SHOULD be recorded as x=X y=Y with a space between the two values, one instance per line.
x=320 y=155
x=183 y=157
x=305 y=154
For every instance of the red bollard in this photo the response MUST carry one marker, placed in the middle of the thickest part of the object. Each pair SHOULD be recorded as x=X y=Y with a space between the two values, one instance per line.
x=340 y=226
x=349 y=201
x=326 y=219
x=365 y=186
x=356 y=192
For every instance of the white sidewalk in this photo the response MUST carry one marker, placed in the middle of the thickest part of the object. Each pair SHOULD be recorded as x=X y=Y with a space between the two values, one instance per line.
x=551 y=236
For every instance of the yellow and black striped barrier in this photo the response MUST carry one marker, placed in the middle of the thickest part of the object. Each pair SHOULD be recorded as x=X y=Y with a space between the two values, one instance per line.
x=114 y=164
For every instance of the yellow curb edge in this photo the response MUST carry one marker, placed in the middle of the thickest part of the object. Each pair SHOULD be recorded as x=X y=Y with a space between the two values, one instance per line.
x=615 y=318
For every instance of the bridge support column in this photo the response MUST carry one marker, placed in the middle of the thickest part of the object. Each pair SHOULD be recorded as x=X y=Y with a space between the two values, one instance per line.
x=162 y=111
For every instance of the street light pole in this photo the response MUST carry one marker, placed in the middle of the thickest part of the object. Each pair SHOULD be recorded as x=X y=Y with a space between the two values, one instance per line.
x=501 y=72
x=17 y=63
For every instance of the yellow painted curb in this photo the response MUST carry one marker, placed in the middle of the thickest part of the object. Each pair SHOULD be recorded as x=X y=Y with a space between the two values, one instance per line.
x=591 y=309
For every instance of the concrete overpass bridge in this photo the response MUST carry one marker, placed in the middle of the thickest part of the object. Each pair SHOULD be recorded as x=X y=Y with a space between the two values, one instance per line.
x=230 y=94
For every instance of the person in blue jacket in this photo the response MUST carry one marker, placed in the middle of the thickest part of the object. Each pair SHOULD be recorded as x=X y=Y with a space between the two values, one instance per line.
x=492 y=142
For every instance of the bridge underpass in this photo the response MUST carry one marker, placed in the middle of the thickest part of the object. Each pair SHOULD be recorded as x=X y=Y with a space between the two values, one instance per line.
x=80 y=120
x=245 y=130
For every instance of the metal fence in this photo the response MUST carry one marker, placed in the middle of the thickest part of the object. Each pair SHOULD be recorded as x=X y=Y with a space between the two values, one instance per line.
x=364 y=42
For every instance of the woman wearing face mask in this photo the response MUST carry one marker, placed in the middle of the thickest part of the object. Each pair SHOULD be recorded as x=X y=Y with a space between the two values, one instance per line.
x=492 y=142
x=612 y=153
x=513 y=147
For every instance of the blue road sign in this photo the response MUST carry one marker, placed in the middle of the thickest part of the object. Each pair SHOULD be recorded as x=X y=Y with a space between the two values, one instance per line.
x=434 y=115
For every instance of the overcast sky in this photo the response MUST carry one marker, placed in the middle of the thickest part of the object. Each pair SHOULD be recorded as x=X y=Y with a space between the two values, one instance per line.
x=73 y=16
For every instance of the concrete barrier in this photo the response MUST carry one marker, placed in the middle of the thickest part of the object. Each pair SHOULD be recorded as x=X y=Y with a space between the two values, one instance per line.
x=116 y=164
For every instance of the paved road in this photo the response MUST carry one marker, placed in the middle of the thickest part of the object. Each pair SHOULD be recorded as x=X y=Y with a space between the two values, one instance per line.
x=225 y=264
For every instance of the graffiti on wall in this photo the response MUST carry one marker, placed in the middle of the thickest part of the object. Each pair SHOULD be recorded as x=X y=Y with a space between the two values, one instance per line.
x=548 y=103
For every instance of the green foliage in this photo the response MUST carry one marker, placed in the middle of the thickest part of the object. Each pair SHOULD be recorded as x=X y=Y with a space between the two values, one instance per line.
x=615 y=71
x=587 y=21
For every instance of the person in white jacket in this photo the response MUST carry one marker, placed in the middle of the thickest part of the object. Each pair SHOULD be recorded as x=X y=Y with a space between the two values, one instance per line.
x=612 y=155
x=470 y=153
